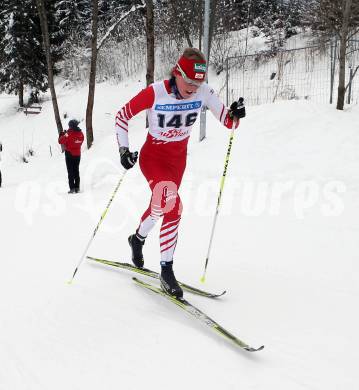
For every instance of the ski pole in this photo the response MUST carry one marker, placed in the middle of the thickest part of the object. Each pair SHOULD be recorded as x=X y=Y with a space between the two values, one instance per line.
x=203 y=278
x=98 y=225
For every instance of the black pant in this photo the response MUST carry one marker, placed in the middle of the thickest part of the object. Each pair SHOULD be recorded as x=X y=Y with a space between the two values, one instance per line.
x=0 y=179
x=72 y=164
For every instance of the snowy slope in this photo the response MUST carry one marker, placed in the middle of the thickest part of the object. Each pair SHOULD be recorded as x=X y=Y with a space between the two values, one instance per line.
x=285 y=249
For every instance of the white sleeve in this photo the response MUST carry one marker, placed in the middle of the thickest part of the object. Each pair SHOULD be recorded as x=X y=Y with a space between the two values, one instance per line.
x=218 y=109
x=122 y=128
x=142 y=101
x=212 y=101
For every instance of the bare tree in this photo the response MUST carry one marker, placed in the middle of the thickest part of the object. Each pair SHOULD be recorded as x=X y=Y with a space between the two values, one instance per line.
x=338 y=18
x=92 y=80
x=150 y=39
x=94 y=52
x=46 y=43
x=343 y=38
x=119 y=19
x=212 y=22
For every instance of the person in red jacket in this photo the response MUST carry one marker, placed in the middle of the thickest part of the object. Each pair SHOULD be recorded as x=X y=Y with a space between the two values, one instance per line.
x=72 y=140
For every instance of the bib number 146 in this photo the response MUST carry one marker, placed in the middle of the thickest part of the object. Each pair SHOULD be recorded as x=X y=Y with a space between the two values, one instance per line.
x=177 y=120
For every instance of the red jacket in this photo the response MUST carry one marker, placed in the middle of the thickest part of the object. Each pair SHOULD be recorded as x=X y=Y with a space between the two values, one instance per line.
x=72 y=141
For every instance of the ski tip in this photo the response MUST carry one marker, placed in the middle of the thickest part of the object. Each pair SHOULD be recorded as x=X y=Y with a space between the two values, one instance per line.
x=217 y=295
x=251 y=349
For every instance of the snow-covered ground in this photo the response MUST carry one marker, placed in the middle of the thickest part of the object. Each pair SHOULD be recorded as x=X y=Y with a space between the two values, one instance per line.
x=285 y=249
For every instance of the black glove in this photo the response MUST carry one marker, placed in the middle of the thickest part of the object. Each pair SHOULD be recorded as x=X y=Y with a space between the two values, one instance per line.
x=237 y=109
x=128 y=159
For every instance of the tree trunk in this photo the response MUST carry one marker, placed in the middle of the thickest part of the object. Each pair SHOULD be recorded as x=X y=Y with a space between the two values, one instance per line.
x=186 y=33
x=212 y=23
x=342 y=54
x=150 y=40
x=92 y=81
x=46 y=42
x=200 y=25
x=21 y=94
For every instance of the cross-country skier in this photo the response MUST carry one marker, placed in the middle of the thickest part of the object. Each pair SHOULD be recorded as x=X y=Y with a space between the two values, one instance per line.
x=72 y=140
x=172 y=108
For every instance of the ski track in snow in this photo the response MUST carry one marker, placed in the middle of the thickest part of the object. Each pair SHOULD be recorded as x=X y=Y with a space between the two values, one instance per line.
x=291 y=278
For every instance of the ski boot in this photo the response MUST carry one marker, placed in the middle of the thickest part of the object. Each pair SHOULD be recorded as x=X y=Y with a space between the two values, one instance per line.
x=168 y=280
x=136 y=243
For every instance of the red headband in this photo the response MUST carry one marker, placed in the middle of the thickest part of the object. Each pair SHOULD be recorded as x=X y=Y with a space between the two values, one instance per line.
x=194 y=69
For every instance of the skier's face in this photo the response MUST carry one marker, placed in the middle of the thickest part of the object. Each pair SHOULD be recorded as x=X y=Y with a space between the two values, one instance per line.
x=185 y=87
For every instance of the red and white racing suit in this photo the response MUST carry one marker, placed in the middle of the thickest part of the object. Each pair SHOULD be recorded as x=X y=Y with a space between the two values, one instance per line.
x=163 y=155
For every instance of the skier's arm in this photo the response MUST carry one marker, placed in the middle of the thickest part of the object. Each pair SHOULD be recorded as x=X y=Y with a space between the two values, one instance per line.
x=218 y=109
x=144 y=100
x=63 y=138
x=80 y=137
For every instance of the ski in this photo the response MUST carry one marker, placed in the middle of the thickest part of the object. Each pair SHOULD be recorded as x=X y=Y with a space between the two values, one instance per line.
x=199 y=315
x=155 y=275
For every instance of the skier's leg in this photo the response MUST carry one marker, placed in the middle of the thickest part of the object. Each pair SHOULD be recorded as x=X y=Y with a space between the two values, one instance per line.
x=147 y=222
x=73 y=171
x=169 y=230
x=164 y=180
x=149 y=217
x=172 y=212
x=152 y=172
x=168 y=242
x=168 y=238
x=77 y=173
x=68 y=160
